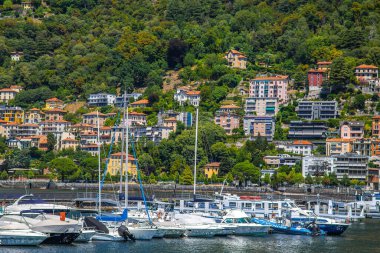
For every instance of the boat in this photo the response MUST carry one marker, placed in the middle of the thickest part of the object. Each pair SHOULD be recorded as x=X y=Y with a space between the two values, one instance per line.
x=58 y=230
x=30 y=202
x=243 y=224
x=200 y=230
x=85 y=235
x=103 y=232
x=172 y=231
x=19 y=234
x=292 y=230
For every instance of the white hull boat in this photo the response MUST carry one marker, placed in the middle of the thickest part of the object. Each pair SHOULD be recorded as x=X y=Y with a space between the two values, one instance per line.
x=243 y=225
x=225 y=229
x=173 y=232
x=201 y=231
x=21 y=238
x=160 y=233
x=85 y=236
x=251 y=229
x=112 y=236
x=142 y=233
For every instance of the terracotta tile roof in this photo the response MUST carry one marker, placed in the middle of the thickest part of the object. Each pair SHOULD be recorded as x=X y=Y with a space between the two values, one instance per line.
x=316 y=71
x=302 y=142
x=90 y=146
x=324 y=63
x=34 y=109
x=229 y=107
x=376 y=117
x=364 y=66
x=273 y=78
x=170 y=119
x=137 y=113
x=193 y=93
x=96 y=113
x=82 y=125
x=8 y=90
x=213 y=164
x=235 y=52
x=12 y=123
x=88 y=134
x=55 y=121
x=338 y=140
x=53 y=100
x=119 y=154
x=28 y=125
x=105 y=128
x=15 y=87
x=3 y=121
x=141 y=102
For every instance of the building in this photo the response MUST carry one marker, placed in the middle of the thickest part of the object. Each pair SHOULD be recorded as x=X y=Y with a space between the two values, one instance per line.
x=54 y=114
x=338 y=146
x=282 y=159
x=12 y=114
x=119 y=101
x=171 y=122
x=300 y=147
x=34 y=116
x=236 y=59
x=324 y=65
x=364 y=73
x=185 y=95
x=255 y=126
x=362 y=146
x=54 y=103
x=211 y=169
x=27 y=130
x=87 y=138
x=7 y=94
x=317 y=165
x=261 y=106
x=315 y=78
x=140 y=103
x=92 y=118
x=353 y=165
x=114 y=164
x=90 y=148
x=270 y=87
x=148 y=133
x=352 y=130
x=69 y=143
x=376 y=126
x=16 y=56
x=227 y=118
x=101 y=99
x=317 y=110
x=307 y=130
x=136 y=119
x=55 y=127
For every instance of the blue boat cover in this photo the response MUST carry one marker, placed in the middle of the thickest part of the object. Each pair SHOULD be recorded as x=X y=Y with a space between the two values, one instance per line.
x=113 y=218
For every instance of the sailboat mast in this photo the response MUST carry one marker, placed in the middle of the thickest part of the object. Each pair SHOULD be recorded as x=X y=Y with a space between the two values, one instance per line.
x=126 y=158
x=100 y=196
x=195 y=152
x=122 y=145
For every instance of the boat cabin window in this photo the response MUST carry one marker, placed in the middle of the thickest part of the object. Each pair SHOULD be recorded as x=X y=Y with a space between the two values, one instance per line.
x=248 y=205
x=232 y=204
x=258 y=205
x=229 y=220
x=273 y=205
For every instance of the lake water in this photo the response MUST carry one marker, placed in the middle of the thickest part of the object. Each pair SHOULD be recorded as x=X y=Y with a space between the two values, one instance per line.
x=359 y=238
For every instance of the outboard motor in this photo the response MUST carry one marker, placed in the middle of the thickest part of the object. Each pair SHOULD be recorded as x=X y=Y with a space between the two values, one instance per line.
x=124 y=232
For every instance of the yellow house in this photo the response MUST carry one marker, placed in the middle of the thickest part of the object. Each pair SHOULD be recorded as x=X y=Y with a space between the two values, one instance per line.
x=12 y=114
x=53 y=103
x=211 y=169
x=114 y=164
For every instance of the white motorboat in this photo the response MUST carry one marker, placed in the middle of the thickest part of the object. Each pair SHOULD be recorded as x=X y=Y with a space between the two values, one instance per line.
x=58 y=231
x=85 y=235
x=160 y=233
x=17 y=234
x=243 y=225
x=112 y=235
x=25 y=237
x=172 y=231
x=104 y=232
x=30 y=202
x=225 y=229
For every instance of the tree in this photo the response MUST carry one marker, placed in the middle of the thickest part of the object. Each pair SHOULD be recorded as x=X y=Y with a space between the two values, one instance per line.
x=4 y=175
x=266 y=179
x=8 y=4
x=187 y=176
x=246 y=171
x=176 y=52
x=89 y=166
x=359 y=102
x=63 y=166
x=345 y=181
x=340 y=76
x=51 y=142
x=308 y=179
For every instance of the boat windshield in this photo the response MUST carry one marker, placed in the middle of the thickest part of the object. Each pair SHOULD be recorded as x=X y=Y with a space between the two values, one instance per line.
x=237 y=220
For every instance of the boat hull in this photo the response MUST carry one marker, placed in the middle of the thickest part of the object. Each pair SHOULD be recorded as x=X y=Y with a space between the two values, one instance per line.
x=248 y=229
x=85 y=236
x=9 y=238
x=334 y=229
x=160 y=233
x=112 y=237
x=200 y=232
x=142 y=233
x=173 y=232
x=61 y=238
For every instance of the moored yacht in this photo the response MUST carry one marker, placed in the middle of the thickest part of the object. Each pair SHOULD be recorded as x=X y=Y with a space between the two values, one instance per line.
x=18 y=234
x=243 y=224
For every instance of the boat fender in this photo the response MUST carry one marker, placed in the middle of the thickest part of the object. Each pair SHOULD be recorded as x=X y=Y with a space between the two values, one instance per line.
x=124 y=232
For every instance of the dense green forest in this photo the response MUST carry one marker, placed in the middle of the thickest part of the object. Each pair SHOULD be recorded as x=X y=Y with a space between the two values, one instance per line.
x=74 y=47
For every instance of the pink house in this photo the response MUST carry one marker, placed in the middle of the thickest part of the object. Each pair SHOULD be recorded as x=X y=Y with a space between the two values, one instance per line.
x=227 y=118
x=136 y=119
x=364 y=73
x=352 y=130
x=270 y=86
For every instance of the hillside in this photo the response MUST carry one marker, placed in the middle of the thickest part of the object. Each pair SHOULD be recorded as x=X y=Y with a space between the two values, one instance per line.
x=80 y=47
